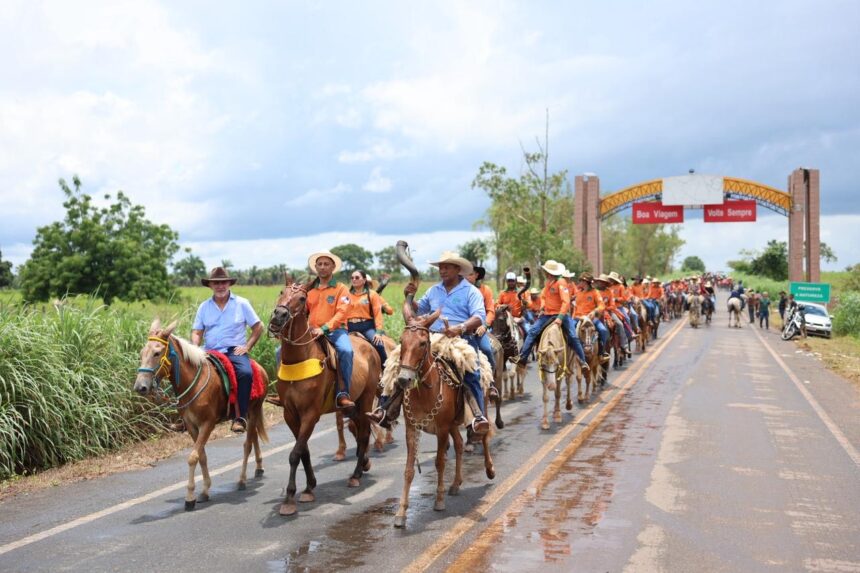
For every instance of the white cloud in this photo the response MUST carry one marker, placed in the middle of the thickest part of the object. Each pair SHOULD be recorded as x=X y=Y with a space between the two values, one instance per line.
x=377 y=183
x=376 y=149
x=314 y=195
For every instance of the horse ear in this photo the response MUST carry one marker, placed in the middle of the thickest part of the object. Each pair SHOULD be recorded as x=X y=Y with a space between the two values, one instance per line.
x=155 y=326
x=170 y=328
x=288 y=280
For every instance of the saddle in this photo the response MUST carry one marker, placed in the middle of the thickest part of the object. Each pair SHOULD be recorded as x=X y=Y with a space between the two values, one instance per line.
x=227 y=374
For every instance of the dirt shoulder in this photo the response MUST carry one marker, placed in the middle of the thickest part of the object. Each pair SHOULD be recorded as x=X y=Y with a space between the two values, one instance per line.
x=841 y=354
x=137 y=456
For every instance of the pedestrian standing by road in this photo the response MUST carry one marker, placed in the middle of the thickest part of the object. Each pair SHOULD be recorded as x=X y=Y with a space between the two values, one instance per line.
x=752 y=298
x=783 y=304
x=764 y=311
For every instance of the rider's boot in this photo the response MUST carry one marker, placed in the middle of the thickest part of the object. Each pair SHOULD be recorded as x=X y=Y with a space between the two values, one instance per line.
x=342 y=399
x=388 y=409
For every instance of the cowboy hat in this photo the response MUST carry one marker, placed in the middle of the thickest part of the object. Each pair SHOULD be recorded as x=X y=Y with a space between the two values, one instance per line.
x=312 y=261
x=568 y=274
x=481 y=272
x=554 y=268
x=534 y=290
x=587 y=277
x=452 y=258
x=615 y=277
x=604 y=278
x=510 y=276
x=218 y=274
x=372 y=283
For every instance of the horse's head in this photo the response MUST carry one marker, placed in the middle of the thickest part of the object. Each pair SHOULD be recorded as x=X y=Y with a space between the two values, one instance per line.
x=415 y=349
x=291 y=303
x=500 y=322
x=587 y=334
x=154 y=363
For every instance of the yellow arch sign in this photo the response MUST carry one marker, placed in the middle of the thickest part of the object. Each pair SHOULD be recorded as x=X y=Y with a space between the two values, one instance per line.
x=764 y=195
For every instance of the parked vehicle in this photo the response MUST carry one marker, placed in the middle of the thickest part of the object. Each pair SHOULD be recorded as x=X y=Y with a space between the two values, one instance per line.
x=818 y=321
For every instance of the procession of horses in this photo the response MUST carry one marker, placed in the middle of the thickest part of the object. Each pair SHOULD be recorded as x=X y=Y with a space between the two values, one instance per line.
x=440 y=373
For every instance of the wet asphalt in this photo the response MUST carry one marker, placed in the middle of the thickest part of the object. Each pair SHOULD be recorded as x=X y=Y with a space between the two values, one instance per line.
x=712 y=460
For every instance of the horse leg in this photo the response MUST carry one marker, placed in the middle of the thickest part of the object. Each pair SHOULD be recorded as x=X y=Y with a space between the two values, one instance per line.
x=198 y=454
x=556 y=412
x=454 y=431
x=568 y=405
x=408 y=475
x=377 y=437
x=498 y=403
x=302 y=433
x=252 y=440
x=488 y=459
x=544 y=423
x=441 y=450
x=360 y=428
x=307 y=496
x=340 y=454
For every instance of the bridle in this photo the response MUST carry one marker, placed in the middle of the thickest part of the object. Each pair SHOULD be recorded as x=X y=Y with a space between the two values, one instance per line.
x=420 y=370
x=169 y=360
x=294 y=289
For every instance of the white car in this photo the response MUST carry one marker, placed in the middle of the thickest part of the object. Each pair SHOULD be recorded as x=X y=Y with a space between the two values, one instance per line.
x=817 y=319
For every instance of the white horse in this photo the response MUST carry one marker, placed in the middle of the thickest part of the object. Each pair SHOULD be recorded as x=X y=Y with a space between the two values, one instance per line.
x=555 y=362
x=735 y=311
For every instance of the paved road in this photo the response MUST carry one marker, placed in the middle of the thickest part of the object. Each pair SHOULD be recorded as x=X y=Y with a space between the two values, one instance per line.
x=717 y=450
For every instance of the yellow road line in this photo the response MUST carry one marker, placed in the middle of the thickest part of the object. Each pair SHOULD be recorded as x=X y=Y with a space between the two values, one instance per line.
x=471 y=519
x=132 y=502
x=828 y=422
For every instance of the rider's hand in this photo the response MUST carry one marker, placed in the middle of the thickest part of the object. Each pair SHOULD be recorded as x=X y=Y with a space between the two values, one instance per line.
x=410 y=288
x=481 y=330
x=453 y=331
x=316 y=332
x=376 y=339
x=557 y=322
x=240 y=350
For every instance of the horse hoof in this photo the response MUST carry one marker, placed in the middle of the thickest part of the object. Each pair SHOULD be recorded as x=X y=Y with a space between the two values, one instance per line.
x=500 y=424
x=259 y=473
x=189 y=505
x=557 y=419
x=389 y=439
x=439 y=506
x=491 y=473
x=568 y=405
x=378 y=446
x=453 y=490
x=366 y=467
x=306 y=497
x=400 y=521
x=581 y=400
x=241 y=486
x=353 y=482
x=287 y=509
x=203 y=498
x=544 y=426
x=339 y=456
x=469 y=448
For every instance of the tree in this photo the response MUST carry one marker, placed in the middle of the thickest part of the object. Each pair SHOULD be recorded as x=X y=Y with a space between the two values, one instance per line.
x=475 y=250
x=827 y=254
x=6 y=276
x=113 y=251
x=639 y=249
x=387 y=263
x=772 y=262
x=190 y=269
x=693 y=263
x=354 y=257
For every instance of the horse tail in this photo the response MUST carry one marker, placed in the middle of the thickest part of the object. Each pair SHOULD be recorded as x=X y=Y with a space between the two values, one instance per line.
x=260 y=425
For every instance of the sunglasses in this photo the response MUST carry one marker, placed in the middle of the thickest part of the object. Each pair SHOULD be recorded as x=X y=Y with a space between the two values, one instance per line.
x=355 y=278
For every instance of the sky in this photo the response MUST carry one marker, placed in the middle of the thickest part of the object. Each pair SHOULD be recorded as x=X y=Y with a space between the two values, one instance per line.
x=263 y=131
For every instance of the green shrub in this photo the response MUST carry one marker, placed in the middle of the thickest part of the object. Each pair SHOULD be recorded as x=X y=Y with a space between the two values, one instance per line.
x=846 y=319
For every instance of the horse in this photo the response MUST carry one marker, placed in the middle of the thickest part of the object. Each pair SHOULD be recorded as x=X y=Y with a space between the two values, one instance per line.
x=644 y=326
x=433 y=402
x=201 y=401
x=587 y=333
x=735 y=311
x=695 y=302
x=555 y=360
x=508 y=332
x=305 y=399
x=498 y=376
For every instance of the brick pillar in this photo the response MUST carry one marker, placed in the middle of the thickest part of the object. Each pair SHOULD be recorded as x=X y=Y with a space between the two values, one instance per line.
x=796 y=224
x=579 y=213
x=592 y=223
x=813 y=232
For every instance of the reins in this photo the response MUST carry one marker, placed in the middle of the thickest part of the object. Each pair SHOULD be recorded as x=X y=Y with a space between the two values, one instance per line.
x=169 y=361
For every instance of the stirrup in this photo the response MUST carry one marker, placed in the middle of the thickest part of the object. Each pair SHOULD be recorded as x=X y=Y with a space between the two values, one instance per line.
x=348 y=403
x=483 y=422
x=239 y=425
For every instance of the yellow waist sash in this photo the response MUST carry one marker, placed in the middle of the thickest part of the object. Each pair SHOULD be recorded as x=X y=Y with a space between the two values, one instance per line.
x=300 y=370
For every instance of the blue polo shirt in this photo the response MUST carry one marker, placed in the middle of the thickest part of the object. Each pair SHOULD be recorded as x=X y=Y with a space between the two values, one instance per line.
x=223 y=329
x=462 y=303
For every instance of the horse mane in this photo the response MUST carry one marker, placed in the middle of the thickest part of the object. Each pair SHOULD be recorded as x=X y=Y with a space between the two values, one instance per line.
x=194 y=355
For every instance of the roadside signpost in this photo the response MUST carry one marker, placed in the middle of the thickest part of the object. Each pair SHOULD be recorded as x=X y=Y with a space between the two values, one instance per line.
x=811 y=292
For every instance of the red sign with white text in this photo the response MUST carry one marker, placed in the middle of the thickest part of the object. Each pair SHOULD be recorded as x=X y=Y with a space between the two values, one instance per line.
x=655 y=213
x=740 y=210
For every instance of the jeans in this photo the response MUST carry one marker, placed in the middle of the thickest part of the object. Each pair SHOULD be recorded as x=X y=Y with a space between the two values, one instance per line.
x=650 y=309
x=343 y=347
x=472 y=380
x=602 y=332
x=487 y=349
x=751 y=310
x=244 y=377
x=367 y=328
x=764 y=320
x=632 y=316
x=568 y=327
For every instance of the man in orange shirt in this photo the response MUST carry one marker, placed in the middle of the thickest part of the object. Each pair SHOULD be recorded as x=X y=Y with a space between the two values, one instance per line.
x=476 y=277
x=328 y=304
x=589 y=303
x=556 y=309
x=510 y=297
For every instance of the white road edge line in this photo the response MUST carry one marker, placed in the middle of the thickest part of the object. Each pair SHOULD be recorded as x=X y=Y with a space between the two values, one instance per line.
x=136 y=501
x=831 y=425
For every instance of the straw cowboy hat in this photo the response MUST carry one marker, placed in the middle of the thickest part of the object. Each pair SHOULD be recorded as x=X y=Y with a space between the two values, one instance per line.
x=312 y=261
x=453 y=258
x=533 y=290
x=218 y=274
x=604 y=278
x=372 y=283
x=615 y=277
x=554 y=268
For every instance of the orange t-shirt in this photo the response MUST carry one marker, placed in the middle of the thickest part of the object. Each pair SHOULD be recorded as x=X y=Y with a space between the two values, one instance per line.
x=360 y=306
x=586 y=302
x=655 y=292
x=638 y=291
x=512 y=299
x=489 y=305
x=619 y=292
x=328 y=305
x=608 y=299
x=535 y=304
x=556 y=297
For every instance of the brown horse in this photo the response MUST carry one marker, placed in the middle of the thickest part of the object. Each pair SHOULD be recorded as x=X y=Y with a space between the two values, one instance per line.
x=508 y=333
x=201 y=400
x=305 y=400
x=644 y=326
x=433 y=402
x=587 y=333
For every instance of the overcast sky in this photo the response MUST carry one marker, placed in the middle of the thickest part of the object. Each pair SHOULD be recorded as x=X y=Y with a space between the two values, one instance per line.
x=262 y=131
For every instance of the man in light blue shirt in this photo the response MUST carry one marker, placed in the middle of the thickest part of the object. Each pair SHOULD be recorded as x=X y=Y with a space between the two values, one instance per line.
x=463 y=307
x=222 y=321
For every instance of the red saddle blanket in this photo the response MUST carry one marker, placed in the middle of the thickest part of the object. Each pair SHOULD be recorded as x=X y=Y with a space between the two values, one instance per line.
x=258 y=387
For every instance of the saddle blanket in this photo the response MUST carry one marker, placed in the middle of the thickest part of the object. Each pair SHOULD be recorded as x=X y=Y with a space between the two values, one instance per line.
x=258 y=387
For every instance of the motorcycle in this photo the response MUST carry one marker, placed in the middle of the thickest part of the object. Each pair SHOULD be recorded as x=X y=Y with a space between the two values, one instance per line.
x=795 y=324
